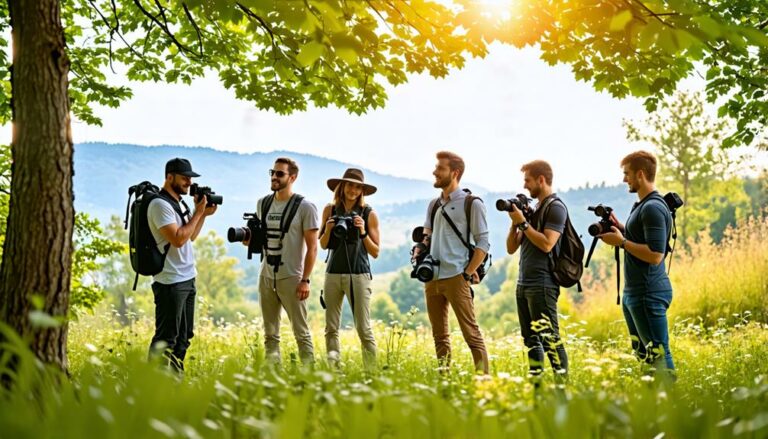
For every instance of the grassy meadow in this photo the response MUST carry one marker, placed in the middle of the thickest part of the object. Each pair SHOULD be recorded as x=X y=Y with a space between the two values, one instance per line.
x=719 y=337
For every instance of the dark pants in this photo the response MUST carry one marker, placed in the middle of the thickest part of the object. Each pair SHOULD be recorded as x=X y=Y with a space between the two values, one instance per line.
x=646 y=316
x=174 y=320
x=537 y=312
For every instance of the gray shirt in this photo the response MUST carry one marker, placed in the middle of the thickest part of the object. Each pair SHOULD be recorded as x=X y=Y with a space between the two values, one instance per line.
x=446 y=246
x=534 y=263
x=294 y=248
x=180 y=261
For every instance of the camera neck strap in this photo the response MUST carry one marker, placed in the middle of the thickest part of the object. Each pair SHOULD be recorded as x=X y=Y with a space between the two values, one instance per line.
x=455 y=229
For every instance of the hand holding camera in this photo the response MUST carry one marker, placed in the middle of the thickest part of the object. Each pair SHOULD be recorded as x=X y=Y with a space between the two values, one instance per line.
x=199 y=192
x=519 y=208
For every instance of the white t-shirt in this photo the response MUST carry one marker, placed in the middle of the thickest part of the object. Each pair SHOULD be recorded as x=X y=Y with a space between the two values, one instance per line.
x=294 y=248
x=180 y=262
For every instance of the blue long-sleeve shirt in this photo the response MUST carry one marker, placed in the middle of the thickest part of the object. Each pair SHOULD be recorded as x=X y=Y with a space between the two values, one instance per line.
x=446 y=247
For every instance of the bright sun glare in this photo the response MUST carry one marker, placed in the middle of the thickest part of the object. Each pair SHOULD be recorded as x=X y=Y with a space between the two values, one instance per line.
x=497 y=8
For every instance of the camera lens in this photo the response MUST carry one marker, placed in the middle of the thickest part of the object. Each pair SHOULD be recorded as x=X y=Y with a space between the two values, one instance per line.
x=595 y=229
x=215 y=199
x=340 y=229
x=503 y=205
x=238 y=234
x=425 y=272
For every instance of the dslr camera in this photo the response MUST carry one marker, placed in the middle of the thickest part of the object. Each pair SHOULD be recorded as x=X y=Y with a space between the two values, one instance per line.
x=522 y=202
x=424 y=263
x=605 y=224
x=196 y=191
x=253 y=232
x=344 y=228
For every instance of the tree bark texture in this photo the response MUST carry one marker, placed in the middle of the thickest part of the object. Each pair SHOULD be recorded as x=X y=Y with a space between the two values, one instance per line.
x=37 y=253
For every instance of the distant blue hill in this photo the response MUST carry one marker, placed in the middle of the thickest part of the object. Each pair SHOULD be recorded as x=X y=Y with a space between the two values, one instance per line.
x=103 y=173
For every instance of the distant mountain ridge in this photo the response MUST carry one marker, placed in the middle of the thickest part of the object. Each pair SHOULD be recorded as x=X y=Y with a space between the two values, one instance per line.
x=103 y=173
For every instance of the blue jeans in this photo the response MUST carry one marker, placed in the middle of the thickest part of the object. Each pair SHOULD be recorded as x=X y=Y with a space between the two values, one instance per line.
x=646 y=316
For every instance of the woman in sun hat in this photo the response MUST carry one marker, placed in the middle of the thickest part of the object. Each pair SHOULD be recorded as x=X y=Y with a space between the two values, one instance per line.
x=350 y=232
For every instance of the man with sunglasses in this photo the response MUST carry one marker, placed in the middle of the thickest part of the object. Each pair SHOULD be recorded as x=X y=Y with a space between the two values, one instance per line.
x=292 y=225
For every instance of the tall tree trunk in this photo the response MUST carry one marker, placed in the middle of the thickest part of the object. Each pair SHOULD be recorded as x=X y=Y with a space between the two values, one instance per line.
x=37 y=254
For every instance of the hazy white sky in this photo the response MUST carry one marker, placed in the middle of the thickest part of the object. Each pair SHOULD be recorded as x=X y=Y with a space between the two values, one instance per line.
x=497 y=112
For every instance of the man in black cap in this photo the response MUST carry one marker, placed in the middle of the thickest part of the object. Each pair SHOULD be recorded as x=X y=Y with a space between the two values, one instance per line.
x=174 y=226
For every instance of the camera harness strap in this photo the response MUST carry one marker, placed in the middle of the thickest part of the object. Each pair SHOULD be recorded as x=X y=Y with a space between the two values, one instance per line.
x=291 y=207
x=672 y=233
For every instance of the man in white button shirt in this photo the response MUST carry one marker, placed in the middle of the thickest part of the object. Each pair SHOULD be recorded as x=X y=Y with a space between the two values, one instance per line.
x=174 y=227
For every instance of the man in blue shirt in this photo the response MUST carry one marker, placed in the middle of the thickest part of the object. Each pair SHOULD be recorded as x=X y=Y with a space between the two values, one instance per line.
x=537 y=292
x=458 y=268
x=644 y=238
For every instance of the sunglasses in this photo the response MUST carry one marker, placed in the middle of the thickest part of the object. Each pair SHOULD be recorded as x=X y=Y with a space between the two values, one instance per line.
x=279 y=174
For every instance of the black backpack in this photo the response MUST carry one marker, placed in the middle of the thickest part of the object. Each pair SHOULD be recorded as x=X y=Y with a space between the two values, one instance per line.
x=565 y=259
x=146 y=258
x=482 y=270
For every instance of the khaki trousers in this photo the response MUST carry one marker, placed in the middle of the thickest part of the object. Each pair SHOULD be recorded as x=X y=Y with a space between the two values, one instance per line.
x=337 y=286
x=274 y=297
x=455 y=292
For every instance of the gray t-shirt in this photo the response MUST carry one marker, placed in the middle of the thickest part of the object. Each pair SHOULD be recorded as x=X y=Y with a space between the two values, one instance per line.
x=534 y=263
x=180 y=262
x=294 y=248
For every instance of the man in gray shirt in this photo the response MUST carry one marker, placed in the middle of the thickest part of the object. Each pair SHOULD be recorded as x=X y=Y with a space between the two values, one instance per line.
x=456 y=270
x=289 y=257
x=537 y=292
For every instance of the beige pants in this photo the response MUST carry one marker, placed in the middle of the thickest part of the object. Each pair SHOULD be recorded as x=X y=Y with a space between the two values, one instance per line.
x=273 y=301
x=455 y=292
x=336 y=287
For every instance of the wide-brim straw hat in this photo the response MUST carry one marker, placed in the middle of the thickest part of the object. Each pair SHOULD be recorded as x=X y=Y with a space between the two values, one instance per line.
x=352 y=175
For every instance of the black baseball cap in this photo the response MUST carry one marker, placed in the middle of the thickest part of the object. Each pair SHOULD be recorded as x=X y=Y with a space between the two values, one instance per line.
x=180 y=166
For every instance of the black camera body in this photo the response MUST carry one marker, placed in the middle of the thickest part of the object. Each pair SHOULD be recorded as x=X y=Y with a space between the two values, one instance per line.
x=522 y=202
x=344 y=228
x=673 y=201
x=196 y=191
x=253 y=232
x=423 y=264
x=605 y=223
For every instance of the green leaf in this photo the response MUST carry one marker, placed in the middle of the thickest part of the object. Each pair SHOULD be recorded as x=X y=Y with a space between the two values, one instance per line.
x=639 y=87
x=712 y=28
x=310 y=53
x=41 y=319
x=620 y=21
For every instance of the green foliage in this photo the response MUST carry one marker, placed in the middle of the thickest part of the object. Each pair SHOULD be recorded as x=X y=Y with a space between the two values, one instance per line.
x=90 y=246
x=407 y=292
x=282 y=55
x=643 y=48
x=692 y=162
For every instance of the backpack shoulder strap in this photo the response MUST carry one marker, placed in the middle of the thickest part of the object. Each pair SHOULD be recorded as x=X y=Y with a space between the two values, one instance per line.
x=366 y=213
x=266 y=203
x=545 y=210
x=468 y=202
x=175 y=205
x=433 y=206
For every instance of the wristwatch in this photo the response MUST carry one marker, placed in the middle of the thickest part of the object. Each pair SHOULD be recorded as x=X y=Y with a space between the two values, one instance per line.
x=523 y=226
x=623 y=241
x=467 y=277
x=306 y=281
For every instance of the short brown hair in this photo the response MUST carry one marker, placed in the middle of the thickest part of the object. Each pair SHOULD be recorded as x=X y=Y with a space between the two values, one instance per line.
x=293 y=168
x=642 y=161
x=455 y=162
x=538 y=168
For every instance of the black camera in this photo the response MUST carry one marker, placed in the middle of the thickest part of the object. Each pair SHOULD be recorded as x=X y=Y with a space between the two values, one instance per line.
x=424 y=263
x=196 y=190
x=605 y=223
x=520 y=201
x=252 y=232
x=344 y=227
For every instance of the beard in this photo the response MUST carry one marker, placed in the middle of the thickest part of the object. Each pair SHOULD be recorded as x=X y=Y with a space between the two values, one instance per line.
x=632 y=189
x=442 y=182
x=535 y=192
x=179 y=189
x=276 y=185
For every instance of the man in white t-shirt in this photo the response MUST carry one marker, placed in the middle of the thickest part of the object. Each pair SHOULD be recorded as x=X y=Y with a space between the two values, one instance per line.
x=174 y=226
